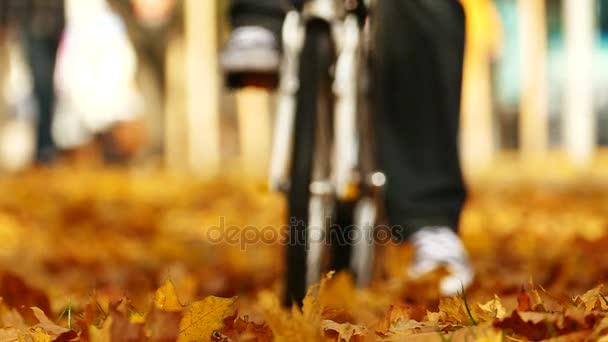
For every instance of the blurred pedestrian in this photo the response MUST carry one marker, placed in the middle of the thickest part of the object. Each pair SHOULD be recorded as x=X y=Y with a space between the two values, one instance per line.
x=39 y=25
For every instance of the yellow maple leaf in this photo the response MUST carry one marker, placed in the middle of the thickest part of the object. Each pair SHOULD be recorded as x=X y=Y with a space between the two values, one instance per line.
x=287 y=326
x=491 y=310
x=38 y=335
x=137 y=318
x=166 y=297
x=345 y=331
x=204 y=317
x=337 y=291
x=312 y=308
x=452 y=311
x=591 y=298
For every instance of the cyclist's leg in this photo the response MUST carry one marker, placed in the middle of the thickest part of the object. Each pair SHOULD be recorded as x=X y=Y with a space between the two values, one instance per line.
x=418 y=61
x=418 y=56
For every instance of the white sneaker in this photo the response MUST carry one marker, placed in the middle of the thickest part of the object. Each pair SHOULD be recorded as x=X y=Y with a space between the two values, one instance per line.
x=440 y=246
x=251 y=49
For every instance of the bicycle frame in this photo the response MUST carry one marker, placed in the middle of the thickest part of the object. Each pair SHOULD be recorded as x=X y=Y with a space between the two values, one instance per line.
x=347 y=36
x=341 y=171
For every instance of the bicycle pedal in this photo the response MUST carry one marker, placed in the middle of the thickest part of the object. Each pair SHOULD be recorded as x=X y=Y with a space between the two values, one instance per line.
x=265 y=80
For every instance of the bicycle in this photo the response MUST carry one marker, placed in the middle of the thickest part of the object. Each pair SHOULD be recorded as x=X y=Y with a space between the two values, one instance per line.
x=322 y=155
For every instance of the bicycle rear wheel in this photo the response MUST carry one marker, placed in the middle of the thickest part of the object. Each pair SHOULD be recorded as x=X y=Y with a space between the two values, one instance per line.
x=310 y=158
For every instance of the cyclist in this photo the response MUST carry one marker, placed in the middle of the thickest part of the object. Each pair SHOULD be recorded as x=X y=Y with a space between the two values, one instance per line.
x=417 y=55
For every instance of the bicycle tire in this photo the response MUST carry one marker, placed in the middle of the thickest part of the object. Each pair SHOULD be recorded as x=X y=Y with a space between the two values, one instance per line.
x=314 y=93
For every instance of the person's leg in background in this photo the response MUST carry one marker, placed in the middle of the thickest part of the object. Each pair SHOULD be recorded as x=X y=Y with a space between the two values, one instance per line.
x=41 y=30
x=418 y=57
x=41 y=51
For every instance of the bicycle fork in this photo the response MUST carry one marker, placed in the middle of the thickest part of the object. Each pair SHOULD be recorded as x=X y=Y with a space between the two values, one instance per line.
x=334 y=171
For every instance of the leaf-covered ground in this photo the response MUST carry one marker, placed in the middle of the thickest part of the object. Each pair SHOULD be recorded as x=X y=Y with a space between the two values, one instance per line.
x=116 y=255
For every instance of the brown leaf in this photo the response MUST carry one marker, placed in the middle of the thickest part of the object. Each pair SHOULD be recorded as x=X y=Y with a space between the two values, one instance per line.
x=162 y=326
x=204 y=317
x=92 y=315
x=17 y=294
x=523 y=301
x=241 y=328
x=536 y=325
x=67 y=336
x=122 y=328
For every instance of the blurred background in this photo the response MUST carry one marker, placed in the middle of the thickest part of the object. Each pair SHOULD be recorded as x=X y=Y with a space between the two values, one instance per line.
x=137 y=82
x=129 y=89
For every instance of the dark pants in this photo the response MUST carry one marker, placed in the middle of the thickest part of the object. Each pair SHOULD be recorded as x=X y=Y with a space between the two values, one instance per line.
x=266 y=13
x=41 y=52
x=417 y=58
x=40 y=24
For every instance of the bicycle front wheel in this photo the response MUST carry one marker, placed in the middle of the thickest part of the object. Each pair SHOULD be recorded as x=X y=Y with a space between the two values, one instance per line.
x=310 y=158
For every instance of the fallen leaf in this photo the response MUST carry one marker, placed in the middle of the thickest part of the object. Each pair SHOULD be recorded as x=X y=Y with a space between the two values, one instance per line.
x=345 y=331
x=312 y=308
x=204 y=317
x=239 y=328
x=537 y=325
x=403 y=329
x=287 y=326
x=162 y=325
x=137 y=318
x=395 y=314
x=38 y=335
x=9 y=334
x=491 y=310
x=103 y=334
x=19 y=295
x=592 y=299
x=600 y=330
x=523 y=301
x=337 y=292
x=46 y=324
x=123 y=328
x=67 y=336
x=166 y=297
x=12 y=319
x=452 y=310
